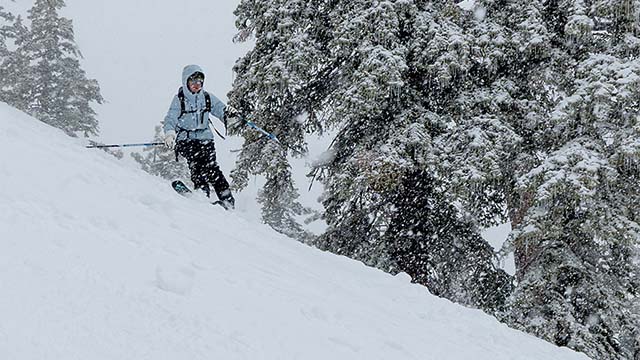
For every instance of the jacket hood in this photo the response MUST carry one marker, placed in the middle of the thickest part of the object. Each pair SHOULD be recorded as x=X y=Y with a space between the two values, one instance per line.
x=186 y=72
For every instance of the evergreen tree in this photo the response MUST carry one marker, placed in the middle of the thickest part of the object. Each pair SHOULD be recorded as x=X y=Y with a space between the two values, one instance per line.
x=15 y=74
x=355 y=66
x=577 y=245
x=13 y=66
x=5 y=35
x=5 y=31
x=278 y=197
x=53 y=87
x=430 y=222
x=540 y=131
x=267 y=71
x=575 y=229
x=161 y=161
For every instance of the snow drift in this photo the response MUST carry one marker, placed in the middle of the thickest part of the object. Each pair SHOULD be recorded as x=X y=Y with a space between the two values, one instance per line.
x=101 y=261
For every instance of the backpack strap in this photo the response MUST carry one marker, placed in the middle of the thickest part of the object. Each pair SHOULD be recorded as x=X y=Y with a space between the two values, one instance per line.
x=207 y=103
x=181 y=98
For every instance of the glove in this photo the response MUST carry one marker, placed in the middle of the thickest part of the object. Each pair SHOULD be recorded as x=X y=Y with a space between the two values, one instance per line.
x=233 y=121
x=170 y=139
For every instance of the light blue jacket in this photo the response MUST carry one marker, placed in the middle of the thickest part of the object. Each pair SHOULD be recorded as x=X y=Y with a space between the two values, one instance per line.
x=192 y=125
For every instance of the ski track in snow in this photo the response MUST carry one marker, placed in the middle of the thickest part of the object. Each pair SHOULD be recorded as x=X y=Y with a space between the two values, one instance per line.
x=101 y=261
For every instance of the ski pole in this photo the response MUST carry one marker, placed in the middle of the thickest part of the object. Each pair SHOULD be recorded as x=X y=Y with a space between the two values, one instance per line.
x=123 y=145
x=253 y=125
x=256 y=127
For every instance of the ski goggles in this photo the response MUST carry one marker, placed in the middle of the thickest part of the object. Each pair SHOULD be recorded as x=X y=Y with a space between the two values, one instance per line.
x=195 y=81
x=197 y=78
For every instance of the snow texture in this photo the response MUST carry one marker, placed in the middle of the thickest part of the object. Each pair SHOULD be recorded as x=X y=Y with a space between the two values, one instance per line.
x=101 y=261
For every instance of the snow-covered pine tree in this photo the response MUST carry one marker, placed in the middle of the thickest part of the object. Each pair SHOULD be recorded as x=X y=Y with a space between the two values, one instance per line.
x=16 y=70
x=357 y=68
x=577 y=246
x=391 y=122
x=5 y=31
x=571 y=201
x=269 y=78
x=278 y=197
x=514 y=124
x=5 y=35
x=56 y=88
x=458 y=263
x=13 y=65
x=161 y=161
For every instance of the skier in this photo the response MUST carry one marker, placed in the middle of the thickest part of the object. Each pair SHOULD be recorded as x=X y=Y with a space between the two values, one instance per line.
x=186 y=129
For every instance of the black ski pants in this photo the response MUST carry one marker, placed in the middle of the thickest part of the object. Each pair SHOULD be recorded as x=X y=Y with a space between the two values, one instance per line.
x=201 y=157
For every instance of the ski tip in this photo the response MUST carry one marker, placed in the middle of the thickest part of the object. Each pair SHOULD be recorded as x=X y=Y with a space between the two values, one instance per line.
x=180 y=187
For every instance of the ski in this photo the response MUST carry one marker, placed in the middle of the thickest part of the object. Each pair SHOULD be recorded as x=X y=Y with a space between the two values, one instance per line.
x=182 y=189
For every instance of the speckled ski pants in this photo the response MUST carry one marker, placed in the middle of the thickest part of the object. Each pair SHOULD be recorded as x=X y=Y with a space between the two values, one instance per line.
x=201 y=157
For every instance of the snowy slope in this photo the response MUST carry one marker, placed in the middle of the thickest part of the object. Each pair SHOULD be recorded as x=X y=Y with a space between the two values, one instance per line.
x=100 y=261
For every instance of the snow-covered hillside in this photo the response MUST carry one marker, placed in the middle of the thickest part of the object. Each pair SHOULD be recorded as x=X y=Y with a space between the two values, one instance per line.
x=101 y=261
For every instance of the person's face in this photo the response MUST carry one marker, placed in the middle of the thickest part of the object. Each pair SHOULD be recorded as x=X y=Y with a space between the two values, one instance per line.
x=195 y=85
